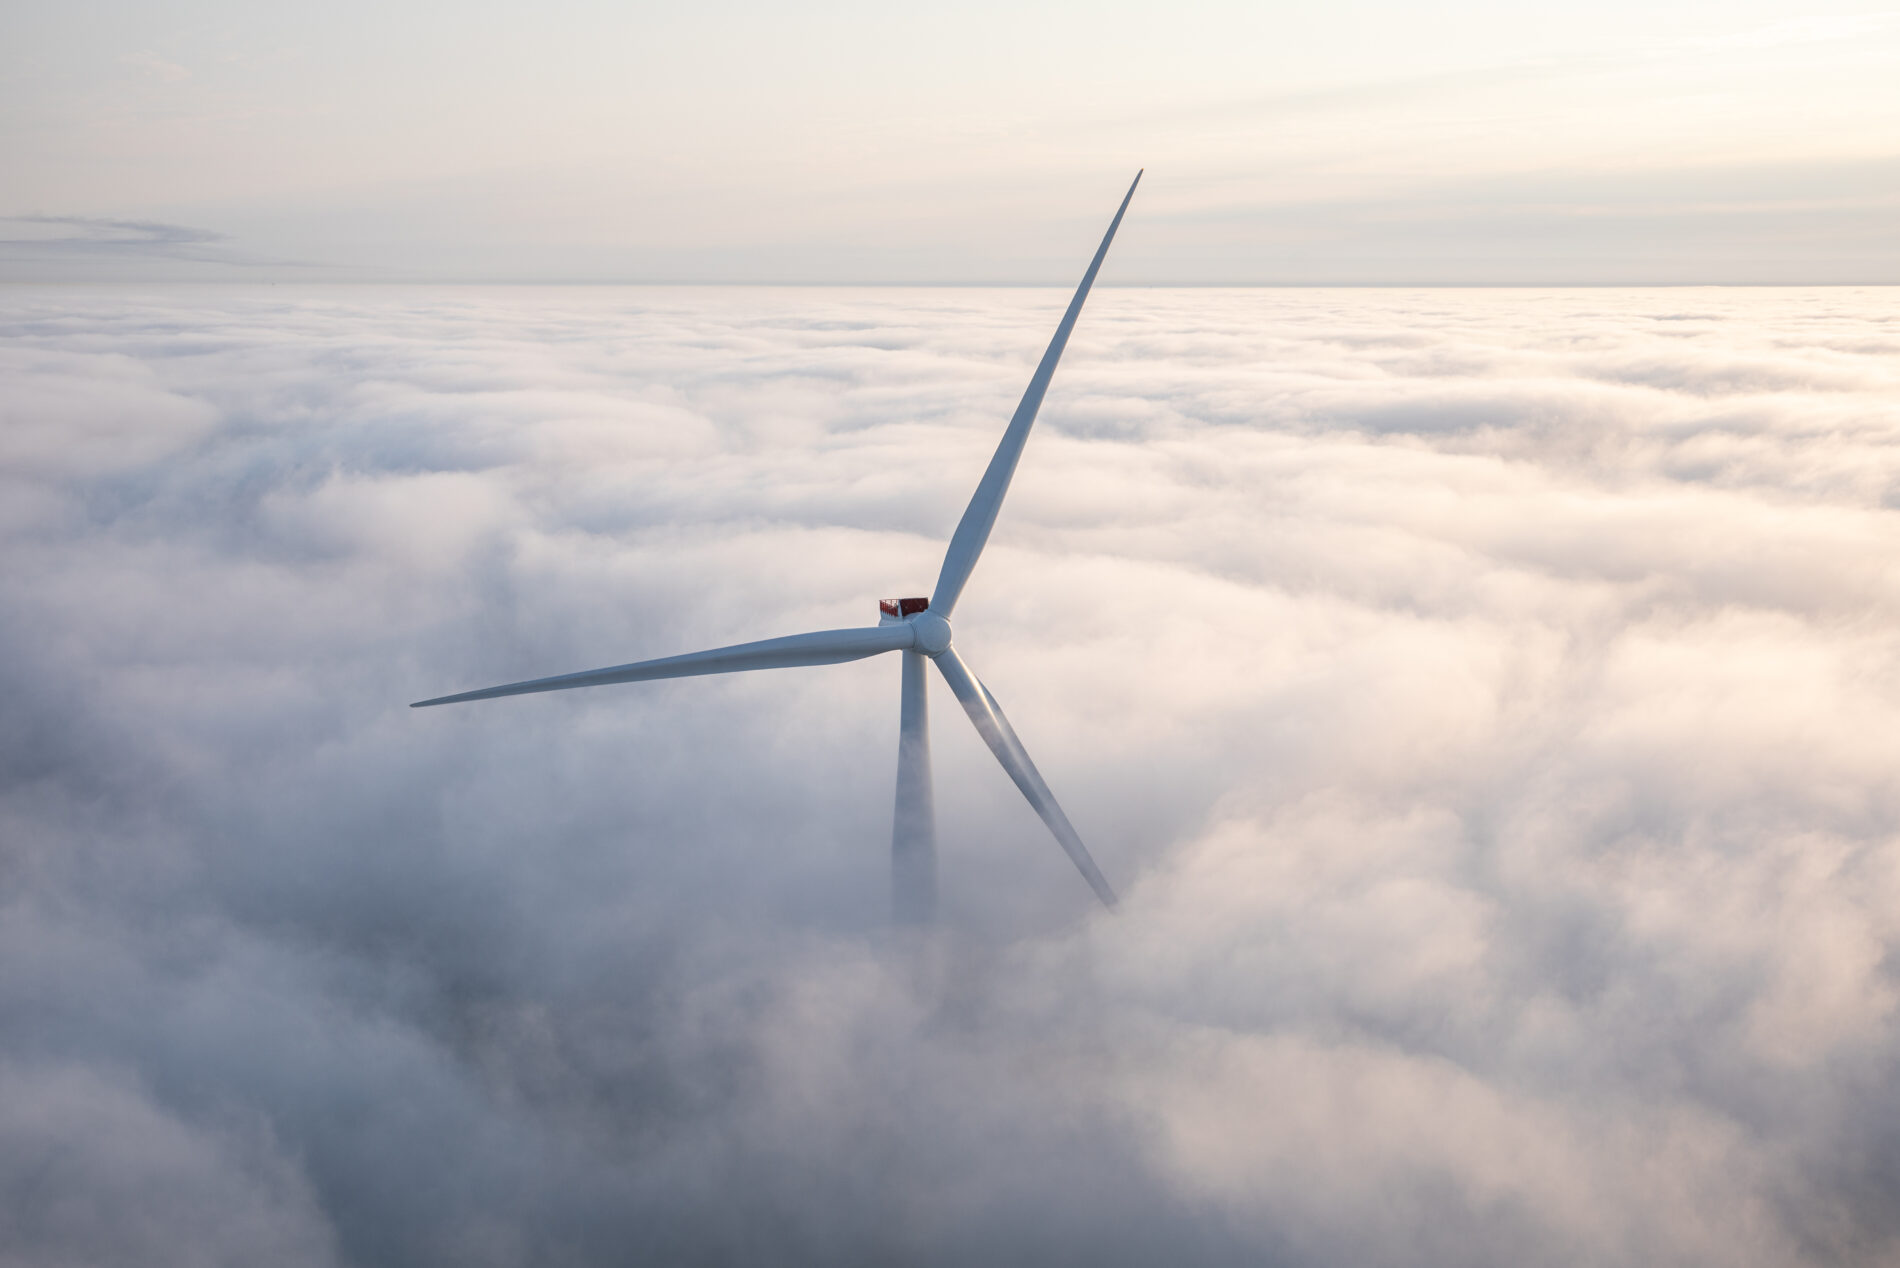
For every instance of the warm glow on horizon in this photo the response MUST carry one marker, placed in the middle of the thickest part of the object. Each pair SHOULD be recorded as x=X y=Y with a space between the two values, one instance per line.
x=1356 y=143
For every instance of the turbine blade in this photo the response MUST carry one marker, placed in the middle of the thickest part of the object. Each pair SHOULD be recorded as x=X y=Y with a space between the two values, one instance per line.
x=913 y=826
x=966 y=544
x=825 y=647
x=1001 y=737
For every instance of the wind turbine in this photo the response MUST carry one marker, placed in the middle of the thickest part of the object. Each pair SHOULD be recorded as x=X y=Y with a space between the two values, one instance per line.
x=920 y=629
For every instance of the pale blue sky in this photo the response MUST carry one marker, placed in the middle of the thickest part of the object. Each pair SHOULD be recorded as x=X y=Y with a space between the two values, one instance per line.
x=1356 y=142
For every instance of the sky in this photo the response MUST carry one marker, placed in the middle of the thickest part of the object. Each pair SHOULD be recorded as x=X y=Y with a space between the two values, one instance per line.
x=1451 y=589
x=1362 y=142
x=1484 y=702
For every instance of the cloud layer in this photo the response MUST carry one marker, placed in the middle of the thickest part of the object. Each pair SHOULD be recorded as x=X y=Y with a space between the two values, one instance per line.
x=1485 y=701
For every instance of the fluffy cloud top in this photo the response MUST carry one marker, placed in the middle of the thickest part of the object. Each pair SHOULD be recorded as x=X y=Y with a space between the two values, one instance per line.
x=1486 y=703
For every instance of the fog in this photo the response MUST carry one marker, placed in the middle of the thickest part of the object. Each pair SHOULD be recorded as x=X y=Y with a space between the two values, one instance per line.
x=1486 y=703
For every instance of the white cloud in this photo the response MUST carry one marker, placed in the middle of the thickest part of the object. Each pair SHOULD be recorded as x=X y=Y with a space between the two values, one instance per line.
x=1485 y=702
x=94 y=1171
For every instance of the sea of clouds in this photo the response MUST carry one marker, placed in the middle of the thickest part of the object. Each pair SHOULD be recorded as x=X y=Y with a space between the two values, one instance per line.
x=1487 y=703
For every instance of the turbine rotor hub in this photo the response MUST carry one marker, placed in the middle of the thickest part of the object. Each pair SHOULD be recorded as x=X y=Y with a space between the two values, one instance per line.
x=932 y=631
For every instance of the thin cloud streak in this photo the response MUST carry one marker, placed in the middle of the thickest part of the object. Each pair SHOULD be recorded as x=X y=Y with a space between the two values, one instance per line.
x=68 y=248
x=85 y=233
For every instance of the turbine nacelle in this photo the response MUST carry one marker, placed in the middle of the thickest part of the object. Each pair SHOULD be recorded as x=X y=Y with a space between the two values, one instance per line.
x=929 y=631
x=891 y=611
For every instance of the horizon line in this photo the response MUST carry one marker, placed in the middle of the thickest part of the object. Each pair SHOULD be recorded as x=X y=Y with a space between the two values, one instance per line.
x=940 y=285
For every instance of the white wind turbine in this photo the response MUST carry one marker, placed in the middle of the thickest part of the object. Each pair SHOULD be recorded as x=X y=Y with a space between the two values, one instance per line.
x=919 y=628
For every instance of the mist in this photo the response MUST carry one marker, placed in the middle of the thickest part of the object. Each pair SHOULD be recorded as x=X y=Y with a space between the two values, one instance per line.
x=1485 y=703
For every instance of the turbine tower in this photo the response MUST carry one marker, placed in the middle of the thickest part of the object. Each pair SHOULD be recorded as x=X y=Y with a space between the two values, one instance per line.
x=920 y=629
